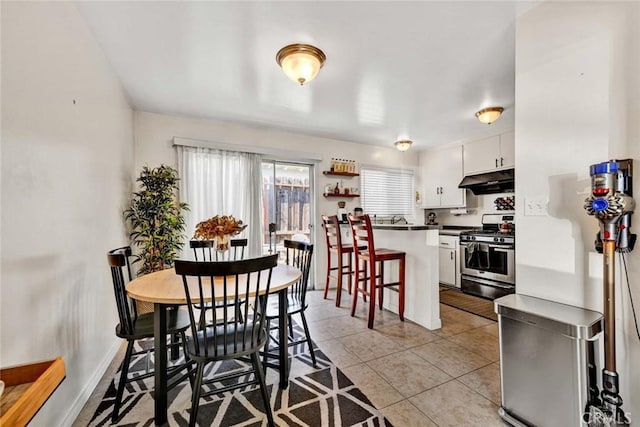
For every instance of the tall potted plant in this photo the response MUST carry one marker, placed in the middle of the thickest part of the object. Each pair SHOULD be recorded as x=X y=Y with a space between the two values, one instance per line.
x=156 y=218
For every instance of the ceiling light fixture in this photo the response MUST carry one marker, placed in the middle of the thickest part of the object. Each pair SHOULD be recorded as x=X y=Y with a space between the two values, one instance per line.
x=300 y=62
x=489 y=115
x=403 y=144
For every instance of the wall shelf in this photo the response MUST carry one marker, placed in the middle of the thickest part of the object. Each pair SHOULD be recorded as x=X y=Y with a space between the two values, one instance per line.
x=340 y=195
x=27 y=388
x=340 y=173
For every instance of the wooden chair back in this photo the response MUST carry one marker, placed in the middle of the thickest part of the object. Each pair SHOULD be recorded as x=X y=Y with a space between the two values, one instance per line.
x=203 y=250
x=229 y=335
x=362 y=234
x=127 y=312
x=298 y=254
x=332 y=231
x=237 y=248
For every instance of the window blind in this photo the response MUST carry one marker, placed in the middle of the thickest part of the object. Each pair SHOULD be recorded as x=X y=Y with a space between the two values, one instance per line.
x=386 y=191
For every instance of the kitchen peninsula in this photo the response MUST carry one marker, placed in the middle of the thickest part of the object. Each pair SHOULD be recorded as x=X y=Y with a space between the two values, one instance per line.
x=420 y=242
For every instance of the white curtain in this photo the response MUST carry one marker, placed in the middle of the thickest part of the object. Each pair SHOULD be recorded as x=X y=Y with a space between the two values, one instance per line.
x=219 y=182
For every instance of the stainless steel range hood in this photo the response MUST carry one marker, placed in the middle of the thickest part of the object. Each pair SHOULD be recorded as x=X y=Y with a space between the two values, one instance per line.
x=490 y=182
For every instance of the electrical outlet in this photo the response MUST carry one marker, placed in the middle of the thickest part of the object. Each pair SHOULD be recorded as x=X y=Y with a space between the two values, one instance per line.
x=536 y=206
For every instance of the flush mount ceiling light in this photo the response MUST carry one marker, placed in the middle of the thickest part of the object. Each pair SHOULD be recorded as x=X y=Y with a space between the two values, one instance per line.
x=300 y=62
x=489 y=115
x=403 y=144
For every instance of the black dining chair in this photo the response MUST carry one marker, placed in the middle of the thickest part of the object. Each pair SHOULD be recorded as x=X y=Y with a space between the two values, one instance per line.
x=205 y=250
x=134 y=326
x=298 y=254
x=228 y=337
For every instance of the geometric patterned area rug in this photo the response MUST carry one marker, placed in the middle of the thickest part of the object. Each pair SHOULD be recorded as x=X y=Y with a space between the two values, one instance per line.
x=324 y=397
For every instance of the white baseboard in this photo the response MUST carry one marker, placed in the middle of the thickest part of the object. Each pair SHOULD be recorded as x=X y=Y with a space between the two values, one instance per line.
x=90 y=386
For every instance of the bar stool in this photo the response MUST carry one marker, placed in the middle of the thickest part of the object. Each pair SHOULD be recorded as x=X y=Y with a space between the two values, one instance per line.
x=372 y=257
x=335 y=246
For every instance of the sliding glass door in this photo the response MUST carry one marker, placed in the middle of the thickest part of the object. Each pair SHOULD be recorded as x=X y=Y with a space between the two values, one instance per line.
x=287 y=196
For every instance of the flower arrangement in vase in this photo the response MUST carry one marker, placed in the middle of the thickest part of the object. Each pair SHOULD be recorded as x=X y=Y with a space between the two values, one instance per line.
x=221 y=228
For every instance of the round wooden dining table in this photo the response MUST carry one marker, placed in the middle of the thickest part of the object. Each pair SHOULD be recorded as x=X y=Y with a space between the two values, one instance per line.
x=165 y=288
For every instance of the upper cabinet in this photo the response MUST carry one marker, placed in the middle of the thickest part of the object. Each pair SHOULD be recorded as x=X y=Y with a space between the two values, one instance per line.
x=489 y=154
x=441 y=172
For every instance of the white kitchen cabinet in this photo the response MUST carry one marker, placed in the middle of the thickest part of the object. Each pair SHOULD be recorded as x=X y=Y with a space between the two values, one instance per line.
x=489 y=154
x=447 y=264
x=507 y=150
x=448 y=261
x=441 y=174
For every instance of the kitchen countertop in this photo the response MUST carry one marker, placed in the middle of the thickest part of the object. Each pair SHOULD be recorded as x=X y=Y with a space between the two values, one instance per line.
x=455 y=230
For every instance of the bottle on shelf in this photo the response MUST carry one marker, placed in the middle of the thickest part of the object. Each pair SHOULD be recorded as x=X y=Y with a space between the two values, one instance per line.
x=336 y=189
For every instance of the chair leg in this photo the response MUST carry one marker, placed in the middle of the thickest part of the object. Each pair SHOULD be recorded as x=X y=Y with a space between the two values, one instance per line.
x=350 y=273
x=187 y=359
x=364 y=280
x=266 y=345
x=123 y=381
x=326 y=285
x=381 y=288
x=372 y=294
x=401 y=288
x=174 y=346
x=309 y=342
x=238 y=312
x=202 y=323
x=356 y=290
x=263 y=388
x=195 y=398
x=339 y=280
x=290 y=324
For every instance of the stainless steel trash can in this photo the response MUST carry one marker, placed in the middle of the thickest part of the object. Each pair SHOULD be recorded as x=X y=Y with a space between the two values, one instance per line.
x=543 y=360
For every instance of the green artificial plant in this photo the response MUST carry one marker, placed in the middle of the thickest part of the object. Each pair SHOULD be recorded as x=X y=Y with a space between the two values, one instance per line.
x=156 y=219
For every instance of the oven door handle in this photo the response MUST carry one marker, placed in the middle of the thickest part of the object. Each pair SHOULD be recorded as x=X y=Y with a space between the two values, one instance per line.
x=502 y=250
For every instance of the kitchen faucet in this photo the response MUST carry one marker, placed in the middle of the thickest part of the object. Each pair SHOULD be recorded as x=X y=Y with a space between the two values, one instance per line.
x=398 y=219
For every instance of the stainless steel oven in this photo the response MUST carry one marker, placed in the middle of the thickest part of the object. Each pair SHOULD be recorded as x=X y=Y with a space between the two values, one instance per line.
x=487 y=258
x=488 y=261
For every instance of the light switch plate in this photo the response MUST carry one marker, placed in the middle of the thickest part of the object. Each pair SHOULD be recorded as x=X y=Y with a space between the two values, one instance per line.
x=536 y=206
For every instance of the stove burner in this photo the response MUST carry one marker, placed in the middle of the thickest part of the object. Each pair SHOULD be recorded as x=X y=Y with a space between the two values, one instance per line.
x=490 y=231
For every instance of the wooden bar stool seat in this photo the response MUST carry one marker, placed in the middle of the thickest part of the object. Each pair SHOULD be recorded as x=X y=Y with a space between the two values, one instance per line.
x=371 y=274
x=339 y=249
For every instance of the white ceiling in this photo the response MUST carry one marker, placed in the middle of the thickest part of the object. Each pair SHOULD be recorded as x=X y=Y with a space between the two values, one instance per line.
x=394 y=69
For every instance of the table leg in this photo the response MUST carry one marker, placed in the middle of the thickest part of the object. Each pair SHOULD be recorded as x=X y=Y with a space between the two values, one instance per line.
x=160 y=365
x=283 y=337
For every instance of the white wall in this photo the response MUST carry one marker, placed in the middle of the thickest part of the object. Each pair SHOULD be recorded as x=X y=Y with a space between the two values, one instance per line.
x=154 y=135
x=67 y=157
x=577 y=97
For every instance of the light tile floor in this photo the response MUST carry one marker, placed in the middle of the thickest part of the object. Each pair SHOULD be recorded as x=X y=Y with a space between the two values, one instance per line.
x=416 y=377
